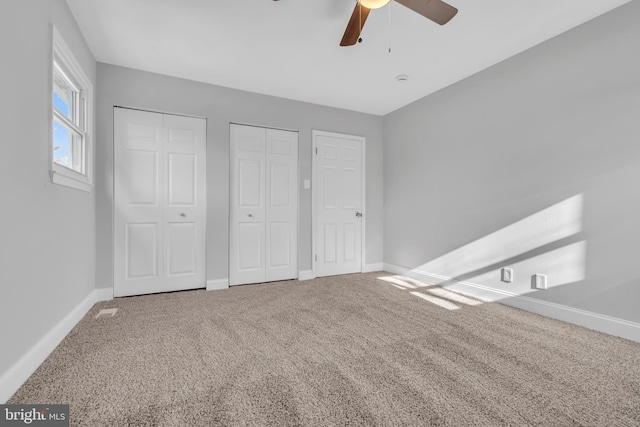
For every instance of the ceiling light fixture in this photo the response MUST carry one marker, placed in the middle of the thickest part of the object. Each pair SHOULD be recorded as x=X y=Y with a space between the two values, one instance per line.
x=373 y=4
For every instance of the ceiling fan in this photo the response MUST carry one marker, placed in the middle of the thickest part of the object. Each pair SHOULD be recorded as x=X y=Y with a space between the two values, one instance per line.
x=435 y=10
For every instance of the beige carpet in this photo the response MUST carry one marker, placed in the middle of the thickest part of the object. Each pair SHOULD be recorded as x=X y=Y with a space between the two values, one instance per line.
x=349 y=350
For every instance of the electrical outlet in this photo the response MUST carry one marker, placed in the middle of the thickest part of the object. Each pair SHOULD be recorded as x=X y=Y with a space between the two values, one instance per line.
x=506 y=275
x=539 y=281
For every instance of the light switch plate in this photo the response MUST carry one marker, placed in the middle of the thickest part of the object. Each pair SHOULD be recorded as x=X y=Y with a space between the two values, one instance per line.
x=307 y=184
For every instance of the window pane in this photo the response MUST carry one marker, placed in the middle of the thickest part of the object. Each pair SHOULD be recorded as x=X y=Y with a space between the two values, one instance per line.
x=64 y=95
x=67 y=147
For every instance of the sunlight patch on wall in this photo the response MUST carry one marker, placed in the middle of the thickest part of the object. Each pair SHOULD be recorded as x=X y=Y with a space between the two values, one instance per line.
x=562 y=266
x=554 y=223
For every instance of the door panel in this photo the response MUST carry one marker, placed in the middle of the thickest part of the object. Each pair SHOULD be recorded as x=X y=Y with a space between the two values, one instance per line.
x=252 y=140
x=330 y=237
x=185 y=207
x=138 y=231
x=251 y=238
x=264 y=205
x=350 y=192
x=279 y=245
x=182 y=135
x=330 y=151
x=338 y=198
x=349 y=251
x=142 y=251
x=282 y=205
x=141 y=169
x=328 y=189
x=246 y=228
x=160 y=202
x=250 y=183
x=280 y=191
x=181 y=245
x=145 y=129
x=182 y=179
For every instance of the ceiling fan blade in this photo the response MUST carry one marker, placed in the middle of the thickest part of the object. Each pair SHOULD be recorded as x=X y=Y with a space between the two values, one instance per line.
x=354 y=27
x=435 y=10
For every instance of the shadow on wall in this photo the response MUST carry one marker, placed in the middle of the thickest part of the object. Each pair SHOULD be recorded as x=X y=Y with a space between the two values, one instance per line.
x=548 y=242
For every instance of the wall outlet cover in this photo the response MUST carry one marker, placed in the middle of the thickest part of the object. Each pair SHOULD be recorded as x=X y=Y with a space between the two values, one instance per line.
x=539 y=281
x=506 y=275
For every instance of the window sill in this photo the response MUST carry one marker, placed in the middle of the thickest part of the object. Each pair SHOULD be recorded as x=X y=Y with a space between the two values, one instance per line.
x=69 y=180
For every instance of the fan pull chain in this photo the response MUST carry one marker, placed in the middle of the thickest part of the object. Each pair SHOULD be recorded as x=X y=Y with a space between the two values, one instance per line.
x=390 y=26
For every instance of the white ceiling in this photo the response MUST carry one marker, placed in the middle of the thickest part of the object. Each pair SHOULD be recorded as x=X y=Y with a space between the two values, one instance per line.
x=290 y=48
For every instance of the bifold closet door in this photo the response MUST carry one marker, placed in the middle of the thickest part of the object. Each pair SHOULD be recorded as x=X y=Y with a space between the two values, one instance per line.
x=264 y=205
x=160 y=202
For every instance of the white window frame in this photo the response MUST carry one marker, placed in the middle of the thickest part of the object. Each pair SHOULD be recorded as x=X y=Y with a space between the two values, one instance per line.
x=62 y=56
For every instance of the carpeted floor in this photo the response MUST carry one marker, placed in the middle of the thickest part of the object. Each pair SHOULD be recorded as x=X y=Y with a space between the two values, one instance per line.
x=347 y=350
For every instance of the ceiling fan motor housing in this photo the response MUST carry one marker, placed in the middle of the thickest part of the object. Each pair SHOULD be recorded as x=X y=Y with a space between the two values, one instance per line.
x=435 y=10
x=373 y=4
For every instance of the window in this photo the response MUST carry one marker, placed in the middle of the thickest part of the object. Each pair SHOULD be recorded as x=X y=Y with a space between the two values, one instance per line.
x=70 y=144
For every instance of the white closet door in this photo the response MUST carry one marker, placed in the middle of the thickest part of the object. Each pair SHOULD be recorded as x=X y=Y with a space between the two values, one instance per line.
x=337 y=177
x=185 y=212
x=246 y=228
x=282 y=205
x=160 y=202
x=264 y=205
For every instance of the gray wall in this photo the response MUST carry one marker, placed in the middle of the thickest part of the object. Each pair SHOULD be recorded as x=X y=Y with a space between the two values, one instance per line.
x=558 y=121
x=132 y=88
x=47 y=231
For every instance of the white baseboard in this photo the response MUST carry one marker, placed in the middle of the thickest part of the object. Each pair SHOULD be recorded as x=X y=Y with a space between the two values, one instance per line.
x=217 y=284
x=368 y=268
x=305 y=275
x=599 y=322
x=16 y=375
x=104 y=294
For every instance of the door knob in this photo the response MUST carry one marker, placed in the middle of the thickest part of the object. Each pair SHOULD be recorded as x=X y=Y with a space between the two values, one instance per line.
x=250 y=215
x=358 y=214
x=183 y=215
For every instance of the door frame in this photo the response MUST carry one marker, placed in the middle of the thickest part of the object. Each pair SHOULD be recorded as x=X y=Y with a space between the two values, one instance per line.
x=314 y=194
x=113 y=186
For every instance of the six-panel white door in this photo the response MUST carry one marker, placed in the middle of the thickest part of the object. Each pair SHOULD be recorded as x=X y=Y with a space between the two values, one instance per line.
x=264 y=205
x=247 y=213
x=337 y=177
x=281 y=213
x=160 y=202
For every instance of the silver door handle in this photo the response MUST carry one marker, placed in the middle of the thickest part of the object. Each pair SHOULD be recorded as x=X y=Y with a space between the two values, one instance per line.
x=250 y=215
x=358 y=214
x=183 y=215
